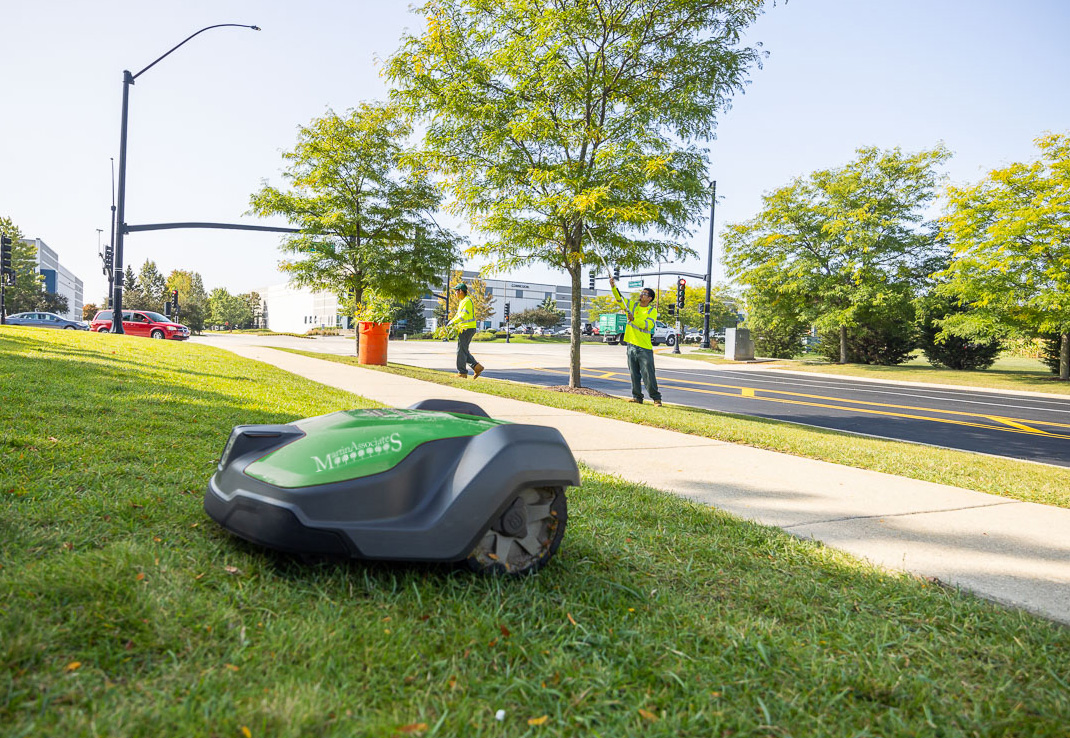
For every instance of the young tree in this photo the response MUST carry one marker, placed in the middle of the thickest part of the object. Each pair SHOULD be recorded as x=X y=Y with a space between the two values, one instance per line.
x=192 y=298
x=565 y=129
x=29 y=285
x=364 y=221
x=152 y=287
x=845 y=241
x=1010 y=239
x=225 y=309
x=134 y=297
x=482 y=299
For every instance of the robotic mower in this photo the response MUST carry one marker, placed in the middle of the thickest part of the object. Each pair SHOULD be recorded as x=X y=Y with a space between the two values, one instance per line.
x=439 y=481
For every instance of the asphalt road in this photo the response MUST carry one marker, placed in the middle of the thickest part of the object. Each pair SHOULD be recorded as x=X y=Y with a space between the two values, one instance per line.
x=1035 y=428
x=1021 y=427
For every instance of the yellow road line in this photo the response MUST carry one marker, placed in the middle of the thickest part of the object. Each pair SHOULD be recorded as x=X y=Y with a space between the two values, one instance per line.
x=1009 y=426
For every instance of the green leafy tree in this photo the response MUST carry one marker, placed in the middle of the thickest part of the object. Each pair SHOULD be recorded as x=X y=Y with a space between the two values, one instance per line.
x=29 y=285
x=884 y=334
x=151 y=288
x=537 y=316
x=777 y=323
x=192 y=298
x=227 y=310
x=1010 y=240
x=409 y=317
x=566 y=129
x=849 y=242
x=365 y=221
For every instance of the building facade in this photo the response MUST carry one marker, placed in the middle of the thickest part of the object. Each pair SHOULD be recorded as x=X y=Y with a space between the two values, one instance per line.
x=58 y=279
x=298 y=310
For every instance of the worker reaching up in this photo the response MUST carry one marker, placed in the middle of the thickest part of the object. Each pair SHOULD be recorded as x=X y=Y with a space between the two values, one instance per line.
x=465 y=323
x=642 y=316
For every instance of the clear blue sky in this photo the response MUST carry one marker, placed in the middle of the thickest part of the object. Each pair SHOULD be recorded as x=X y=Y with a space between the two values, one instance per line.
x=210 y=121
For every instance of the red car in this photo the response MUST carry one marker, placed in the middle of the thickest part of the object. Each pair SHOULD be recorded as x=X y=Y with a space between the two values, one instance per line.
x=142 y=323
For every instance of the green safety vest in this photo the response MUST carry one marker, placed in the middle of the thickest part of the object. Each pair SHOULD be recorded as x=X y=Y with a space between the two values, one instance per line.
x=466 y=315
x=641 y=326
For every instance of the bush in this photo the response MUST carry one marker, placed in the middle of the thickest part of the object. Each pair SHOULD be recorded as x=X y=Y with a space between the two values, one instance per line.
x=884 y=336
x=953 y=352
x=484 y=336
x=324 y=332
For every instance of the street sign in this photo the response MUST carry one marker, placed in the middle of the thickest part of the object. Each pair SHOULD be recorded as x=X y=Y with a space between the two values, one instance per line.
x=635 y=283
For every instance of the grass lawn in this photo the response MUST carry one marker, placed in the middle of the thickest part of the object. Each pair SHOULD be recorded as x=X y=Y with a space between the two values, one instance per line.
x=1020 y=480
x=125 y=611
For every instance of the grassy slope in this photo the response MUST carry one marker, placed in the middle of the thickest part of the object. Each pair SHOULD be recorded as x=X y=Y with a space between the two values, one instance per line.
x=1018 y=480
x=125 y=611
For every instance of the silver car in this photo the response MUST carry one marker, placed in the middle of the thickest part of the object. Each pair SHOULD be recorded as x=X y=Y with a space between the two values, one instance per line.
x=46 y=320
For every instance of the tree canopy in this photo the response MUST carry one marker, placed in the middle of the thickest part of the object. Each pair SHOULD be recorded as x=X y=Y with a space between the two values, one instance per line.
x=842 y=243
x=365 y=220
x=566 y=130
x=1010 y=240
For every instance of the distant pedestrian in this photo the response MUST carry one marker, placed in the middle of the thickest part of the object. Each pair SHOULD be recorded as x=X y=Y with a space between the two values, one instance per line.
x=465 y=322
x=642 y=315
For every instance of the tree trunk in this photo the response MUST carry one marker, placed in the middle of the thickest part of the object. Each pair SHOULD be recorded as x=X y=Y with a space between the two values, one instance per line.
x=843 y=344
x=1064 y=357
x=575 y=271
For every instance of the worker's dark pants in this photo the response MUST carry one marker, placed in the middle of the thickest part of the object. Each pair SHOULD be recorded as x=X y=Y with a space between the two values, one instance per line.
x=641 y=365
x=464 y=358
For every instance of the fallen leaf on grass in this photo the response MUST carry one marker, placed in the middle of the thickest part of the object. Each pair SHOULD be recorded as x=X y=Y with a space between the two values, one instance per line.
x=140 y=576
x=413 y=728
x=246 y=732
x=232 y=667
x=505 y=631
x=571 y=619
x=73 y=665
x=232 y=570
x=539 y=720
x=648 y=715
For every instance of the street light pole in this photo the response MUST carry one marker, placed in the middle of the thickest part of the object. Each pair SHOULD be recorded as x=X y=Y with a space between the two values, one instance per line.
x=120 y=215
x=709 y=271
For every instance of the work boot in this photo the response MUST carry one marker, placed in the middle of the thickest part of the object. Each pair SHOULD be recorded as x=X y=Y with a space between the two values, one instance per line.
x=462 y=375
x=477 y=370
x=657 y=403
x=637 y=401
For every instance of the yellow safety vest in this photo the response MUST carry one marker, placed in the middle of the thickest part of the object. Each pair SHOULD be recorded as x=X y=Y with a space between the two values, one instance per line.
x=466 y=315
x=641 y=326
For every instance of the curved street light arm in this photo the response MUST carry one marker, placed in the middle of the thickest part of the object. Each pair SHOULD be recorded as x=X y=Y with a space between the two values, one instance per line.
x=180 y=43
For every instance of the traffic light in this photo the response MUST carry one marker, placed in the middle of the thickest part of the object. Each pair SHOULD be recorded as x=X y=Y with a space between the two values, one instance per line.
x=672 y=311
x=174 y=303
x=5 y=253
x=592 y=279
x=616 y=272
x=680 y=285
x=506 y=312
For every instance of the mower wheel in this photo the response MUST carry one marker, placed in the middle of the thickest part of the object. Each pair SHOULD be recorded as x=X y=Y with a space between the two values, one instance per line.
x=525 y=536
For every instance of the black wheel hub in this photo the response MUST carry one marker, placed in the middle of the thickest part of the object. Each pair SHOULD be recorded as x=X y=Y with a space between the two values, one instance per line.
x=515 y=520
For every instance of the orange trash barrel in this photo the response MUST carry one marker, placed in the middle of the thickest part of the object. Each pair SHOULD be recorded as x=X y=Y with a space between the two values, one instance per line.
x=373 y=341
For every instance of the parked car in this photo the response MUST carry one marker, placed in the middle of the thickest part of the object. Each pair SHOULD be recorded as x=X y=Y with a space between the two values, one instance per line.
x=46 y=320
x=693 y=337
x=142 y=323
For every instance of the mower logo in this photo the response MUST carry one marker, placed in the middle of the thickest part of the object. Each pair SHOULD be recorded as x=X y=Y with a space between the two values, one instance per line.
x=358 y=452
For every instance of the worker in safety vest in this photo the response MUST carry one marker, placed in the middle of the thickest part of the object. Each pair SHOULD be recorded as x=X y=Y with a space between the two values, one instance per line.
x=465 y=322
x=641 y=318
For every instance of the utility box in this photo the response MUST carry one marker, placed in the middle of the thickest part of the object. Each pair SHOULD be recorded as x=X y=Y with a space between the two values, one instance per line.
x=738 y=345
x=611 y=327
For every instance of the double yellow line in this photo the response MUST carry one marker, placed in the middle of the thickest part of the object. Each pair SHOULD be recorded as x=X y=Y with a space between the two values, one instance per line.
x=950 y=417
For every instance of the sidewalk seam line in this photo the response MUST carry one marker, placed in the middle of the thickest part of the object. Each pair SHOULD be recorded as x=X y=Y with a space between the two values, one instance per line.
x=902 y=514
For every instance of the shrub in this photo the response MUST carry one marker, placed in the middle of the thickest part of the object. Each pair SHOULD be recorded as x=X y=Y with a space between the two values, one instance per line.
x=883 y=335
x=484 y=336
x=953 y=352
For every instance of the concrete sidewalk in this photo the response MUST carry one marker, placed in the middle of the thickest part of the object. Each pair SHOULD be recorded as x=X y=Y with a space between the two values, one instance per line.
x=1016 y=553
